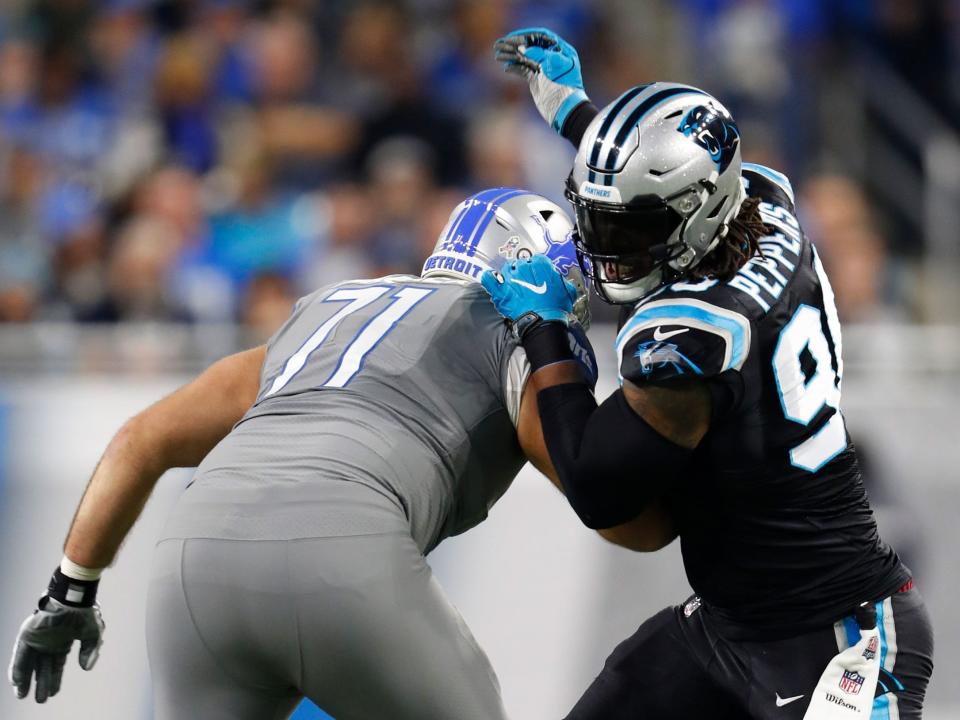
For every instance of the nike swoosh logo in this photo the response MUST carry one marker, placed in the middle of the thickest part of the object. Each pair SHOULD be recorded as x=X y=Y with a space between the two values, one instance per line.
x=658 y=336
x=786 y=701
x=538 y=289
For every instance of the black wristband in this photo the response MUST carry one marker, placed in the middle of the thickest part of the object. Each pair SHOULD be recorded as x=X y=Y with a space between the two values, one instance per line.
x=546 y=343
x=577 y=122
x=72 y=592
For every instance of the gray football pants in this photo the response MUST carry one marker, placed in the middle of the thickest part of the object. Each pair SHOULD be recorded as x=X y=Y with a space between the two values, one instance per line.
x=358 y=624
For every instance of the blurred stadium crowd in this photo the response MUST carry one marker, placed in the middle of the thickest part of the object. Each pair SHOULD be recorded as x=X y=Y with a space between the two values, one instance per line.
x=211 y=160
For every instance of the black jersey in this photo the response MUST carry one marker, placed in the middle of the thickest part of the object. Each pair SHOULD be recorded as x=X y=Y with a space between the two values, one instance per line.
x=775 y=527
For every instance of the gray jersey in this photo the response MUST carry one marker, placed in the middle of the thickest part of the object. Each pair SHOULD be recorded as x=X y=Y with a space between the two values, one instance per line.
x=401 y=386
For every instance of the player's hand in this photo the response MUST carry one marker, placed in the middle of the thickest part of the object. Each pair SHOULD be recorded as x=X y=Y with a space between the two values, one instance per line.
x=45 y=639
x=551 y=67
x=530 y=291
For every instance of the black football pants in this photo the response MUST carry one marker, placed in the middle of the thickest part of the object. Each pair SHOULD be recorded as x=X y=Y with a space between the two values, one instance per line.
x=677 y=667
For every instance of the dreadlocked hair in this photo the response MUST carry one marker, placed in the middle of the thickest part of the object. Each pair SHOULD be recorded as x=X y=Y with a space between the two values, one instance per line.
x=741 y=243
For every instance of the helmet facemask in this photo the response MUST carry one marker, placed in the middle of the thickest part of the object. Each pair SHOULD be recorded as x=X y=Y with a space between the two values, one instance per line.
x=634 y=248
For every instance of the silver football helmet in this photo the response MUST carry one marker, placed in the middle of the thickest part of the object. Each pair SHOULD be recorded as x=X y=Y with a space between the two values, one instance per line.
x=655 y=185
x=502 y=224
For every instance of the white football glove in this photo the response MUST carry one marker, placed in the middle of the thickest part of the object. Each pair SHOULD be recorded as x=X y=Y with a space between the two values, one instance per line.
x=44 y=641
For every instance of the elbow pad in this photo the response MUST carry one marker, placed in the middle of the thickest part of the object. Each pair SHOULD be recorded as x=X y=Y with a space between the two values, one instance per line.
x=611 y=463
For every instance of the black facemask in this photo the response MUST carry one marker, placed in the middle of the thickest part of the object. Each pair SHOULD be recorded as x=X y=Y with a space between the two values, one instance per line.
x=624 y=243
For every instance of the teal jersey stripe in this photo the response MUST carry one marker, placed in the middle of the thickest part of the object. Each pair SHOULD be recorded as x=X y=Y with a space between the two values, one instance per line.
x=773 y=176
x=676 y=314
x=881 y=705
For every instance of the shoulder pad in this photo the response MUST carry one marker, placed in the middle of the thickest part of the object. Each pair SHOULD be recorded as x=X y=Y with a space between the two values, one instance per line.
x=680 y=336
x=768 y=185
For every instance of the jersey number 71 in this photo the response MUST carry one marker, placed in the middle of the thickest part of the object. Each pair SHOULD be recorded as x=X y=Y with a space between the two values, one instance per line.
x=351 y=359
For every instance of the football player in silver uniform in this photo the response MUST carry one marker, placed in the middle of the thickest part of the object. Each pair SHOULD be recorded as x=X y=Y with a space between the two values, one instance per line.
x=383 y=417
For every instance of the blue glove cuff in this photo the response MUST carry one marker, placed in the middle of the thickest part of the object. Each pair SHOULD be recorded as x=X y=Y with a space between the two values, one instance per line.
x=576 y=98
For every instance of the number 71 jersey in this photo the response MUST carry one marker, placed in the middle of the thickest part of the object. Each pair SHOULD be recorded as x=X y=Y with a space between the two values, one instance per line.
x=774 y=516
x=410 y=386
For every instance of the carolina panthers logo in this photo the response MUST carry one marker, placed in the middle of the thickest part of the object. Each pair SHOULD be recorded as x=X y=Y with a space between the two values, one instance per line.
x=655 y=354
x=713 y=130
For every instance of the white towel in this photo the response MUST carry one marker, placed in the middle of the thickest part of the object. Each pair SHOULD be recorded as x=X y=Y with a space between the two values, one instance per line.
x=846 y=688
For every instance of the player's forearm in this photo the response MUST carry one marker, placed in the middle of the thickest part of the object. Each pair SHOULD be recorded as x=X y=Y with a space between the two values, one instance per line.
x=115 y=496
x=177 y=431
x=578 y=121
x=651 y=530
x=145 y=447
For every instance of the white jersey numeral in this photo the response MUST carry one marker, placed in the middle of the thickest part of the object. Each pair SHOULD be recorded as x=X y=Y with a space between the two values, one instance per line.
x=373 y=332
x=351 y=360
x=802 y=399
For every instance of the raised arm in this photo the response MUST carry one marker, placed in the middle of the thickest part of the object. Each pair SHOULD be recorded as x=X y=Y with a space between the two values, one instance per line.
x=177 y=431
x=551 y=68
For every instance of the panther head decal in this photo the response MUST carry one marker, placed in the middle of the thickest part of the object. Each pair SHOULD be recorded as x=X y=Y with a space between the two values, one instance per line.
x=714 y=130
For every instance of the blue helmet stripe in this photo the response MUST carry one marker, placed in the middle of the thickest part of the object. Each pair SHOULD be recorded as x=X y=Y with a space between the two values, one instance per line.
x=468 y=218
x=490 y=210
x=608 y=121
x=455 y=224
x=467 y=225
x=637 y=115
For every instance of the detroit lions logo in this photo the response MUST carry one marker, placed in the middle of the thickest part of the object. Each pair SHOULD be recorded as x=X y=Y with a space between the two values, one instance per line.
x=563 y=255
x=714 y=131
x=655 y=354
x=543 y=226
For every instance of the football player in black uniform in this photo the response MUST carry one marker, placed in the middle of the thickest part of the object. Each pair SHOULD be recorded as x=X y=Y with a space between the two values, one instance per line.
x=728 y=412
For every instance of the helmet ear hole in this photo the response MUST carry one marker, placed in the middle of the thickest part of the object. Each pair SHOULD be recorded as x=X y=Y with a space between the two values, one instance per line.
x=546 y=214
x=716 y=208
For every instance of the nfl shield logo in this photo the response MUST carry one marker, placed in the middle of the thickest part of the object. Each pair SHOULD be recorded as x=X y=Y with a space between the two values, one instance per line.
x=851 y=682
